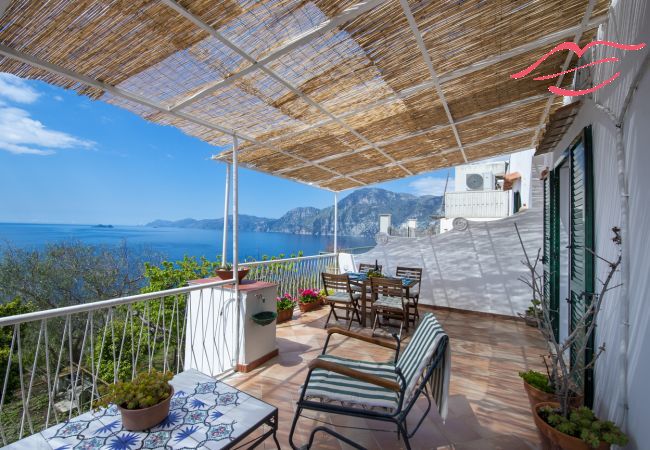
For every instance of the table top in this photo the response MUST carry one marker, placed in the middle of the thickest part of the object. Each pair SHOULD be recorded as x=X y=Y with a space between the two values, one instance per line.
x=204 y=413
x=362 y=277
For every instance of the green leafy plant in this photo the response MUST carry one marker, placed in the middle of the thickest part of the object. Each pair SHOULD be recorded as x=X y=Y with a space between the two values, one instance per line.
x=538 y=380
x=286 y=302
x=145 y=390
x=375 y=274
x=583 y=424
x=534 y=309
x=225 y=266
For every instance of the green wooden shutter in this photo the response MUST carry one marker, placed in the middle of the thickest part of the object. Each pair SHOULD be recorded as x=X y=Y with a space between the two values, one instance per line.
x=551 y=261
x=581 y=260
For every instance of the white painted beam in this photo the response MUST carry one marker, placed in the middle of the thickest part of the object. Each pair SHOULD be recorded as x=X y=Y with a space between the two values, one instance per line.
x=4 y=4
x=432 y=71
x=219 y=36
x=487 y=140
x=550 y=38
x=403 y=137
x=300 y=40
x=584 y=25
x=123 y=94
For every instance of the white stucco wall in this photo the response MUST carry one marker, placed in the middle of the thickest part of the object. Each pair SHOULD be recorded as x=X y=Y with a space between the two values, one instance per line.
x=629 y=23
x=476 y=269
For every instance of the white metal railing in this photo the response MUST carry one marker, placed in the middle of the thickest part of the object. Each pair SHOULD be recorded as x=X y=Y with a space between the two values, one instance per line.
x=293 y=274
x=58 y=359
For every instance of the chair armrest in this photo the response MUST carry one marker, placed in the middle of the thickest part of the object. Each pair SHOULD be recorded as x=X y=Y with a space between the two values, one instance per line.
x=361 y=337
x=352 y=373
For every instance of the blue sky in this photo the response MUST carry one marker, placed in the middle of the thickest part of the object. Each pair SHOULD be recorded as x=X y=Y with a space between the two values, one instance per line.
x=67 y=159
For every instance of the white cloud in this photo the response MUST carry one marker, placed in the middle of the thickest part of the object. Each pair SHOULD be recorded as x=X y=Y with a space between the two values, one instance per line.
x=20 y=134
x=16 y=89
x=58 y=98
x=430 y=185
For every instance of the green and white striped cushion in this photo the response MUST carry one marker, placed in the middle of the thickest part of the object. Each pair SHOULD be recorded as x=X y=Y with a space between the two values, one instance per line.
x=330 y=386
x=420 y=349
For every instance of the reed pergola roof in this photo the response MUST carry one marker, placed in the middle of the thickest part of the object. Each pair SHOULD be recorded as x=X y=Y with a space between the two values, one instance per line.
x=336 y=94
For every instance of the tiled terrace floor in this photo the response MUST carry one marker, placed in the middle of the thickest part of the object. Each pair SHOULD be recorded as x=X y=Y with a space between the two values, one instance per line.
x=488 y=408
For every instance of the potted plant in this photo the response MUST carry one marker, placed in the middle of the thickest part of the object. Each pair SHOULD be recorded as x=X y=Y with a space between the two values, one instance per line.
x=540 y=389
x=143 y=402
x=532 y=313
x=580 y=430
x=564 y=425
x=309 y=299
x=225 y=272
x=285 y=307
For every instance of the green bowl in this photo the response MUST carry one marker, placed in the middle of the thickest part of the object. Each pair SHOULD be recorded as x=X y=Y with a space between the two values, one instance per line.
x=264 y=318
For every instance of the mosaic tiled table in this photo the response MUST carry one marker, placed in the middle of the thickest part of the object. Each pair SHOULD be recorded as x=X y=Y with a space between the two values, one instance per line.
x=204 y=413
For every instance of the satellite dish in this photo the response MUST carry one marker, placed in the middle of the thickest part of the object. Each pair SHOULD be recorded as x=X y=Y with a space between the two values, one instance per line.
x=474 y=181
x=460 y=224
x=381 y=238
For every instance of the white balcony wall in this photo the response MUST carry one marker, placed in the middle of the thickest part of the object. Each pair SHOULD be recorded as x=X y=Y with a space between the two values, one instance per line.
x=613 y=385
x=477 y=204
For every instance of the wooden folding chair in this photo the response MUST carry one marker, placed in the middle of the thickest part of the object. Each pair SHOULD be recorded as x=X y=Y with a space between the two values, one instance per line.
x=338 y=294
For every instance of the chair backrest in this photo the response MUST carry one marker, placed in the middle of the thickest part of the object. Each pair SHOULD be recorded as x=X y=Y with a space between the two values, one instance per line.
x=412 y=273
x=388 y=287
x=364 y=268
x=419 y=351
x=334 y=282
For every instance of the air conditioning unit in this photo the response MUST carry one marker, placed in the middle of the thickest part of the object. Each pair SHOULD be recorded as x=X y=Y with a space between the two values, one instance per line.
x=480 y=181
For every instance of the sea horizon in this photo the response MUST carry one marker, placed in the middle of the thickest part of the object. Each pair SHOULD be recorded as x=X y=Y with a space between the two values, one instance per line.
x=171 y=243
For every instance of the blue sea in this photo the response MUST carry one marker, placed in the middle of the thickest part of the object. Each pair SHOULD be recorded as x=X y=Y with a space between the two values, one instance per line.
x=171 y=243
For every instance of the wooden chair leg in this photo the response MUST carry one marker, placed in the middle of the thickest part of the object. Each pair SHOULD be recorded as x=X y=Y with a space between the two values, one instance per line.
x=329 y=315
x=375 y=314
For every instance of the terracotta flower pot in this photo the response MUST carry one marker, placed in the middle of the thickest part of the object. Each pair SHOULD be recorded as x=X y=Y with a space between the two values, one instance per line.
x=142 y=419
x=285 y=315
x=228 y=274
x=304 y=307
x=536 y=396
x=557 y=438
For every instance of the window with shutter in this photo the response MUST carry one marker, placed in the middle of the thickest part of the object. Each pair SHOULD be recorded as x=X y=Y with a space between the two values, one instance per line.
x=581 y=260
x=551 y=247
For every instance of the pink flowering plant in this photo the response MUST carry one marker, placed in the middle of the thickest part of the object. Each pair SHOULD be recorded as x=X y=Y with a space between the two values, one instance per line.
x=285 y=302
x=309 y=295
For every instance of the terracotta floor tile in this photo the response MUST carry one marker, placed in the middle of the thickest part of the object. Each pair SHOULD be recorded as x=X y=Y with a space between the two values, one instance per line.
x=488 y=408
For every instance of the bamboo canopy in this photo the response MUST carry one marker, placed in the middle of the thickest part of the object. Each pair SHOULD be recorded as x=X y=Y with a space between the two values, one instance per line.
x=336 y=94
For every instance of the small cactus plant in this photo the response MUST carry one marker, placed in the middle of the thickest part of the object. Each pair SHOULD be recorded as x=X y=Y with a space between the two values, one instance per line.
x=145 y=390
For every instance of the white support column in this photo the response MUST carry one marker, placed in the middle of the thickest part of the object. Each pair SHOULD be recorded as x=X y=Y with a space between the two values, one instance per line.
x=235 y=245
x=226 y=212
x=336 y=222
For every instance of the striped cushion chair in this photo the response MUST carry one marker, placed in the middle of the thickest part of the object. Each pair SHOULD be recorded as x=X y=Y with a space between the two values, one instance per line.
x=379 y=391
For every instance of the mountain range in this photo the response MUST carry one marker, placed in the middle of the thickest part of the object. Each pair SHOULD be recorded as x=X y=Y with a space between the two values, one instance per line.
x=358 y=215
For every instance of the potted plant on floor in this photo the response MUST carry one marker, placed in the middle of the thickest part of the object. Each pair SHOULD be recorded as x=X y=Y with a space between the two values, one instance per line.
x=143 y=402
x=285 y=306
x=532 y=313
x=564 y=425
x=309 y=299
x=225 y=272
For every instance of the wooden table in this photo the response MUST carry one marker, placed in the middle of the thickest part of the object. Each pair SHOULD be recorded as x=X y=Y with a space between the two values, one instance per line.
x=204 y=413
x=363 y=282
